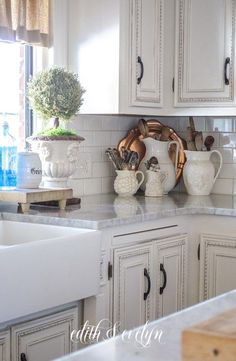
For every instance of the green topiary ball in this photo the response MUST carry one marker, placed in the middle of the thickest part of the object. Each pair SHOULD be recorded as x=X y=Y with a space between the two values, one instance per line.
x=55 y=93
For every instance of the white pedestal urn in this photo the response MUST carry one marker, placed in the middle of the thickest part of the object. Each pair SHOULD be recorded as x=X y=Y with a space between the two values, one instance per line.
x=199 y=172
x=59 y=159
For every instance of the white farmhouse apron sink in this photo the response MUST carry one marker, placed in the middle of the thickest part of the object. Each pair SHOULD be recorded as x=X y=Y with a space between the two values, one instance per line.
x=44 y=266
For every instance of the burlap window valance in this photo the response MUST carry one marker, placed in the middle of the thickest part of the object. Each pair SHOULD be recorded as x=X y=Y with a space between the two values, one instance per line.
x=25 y=21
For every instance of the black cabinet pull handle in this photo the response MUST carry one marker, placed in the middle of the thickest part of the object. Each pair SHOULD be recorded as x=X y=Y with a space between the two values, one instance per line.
x=227 y=62
x=141 y=71
x=145 y=295
x=162 y=269
x=23 y=357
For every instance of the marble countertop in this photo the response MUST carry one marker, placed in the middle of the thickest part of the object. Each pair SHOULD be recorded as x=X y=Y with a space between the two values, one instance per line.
x=165 y=348
x=108 y=210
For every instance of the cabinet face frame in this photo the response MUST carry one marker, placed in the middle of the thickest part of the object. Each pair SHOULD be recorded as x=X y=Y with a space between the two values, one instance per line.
x=212 y=246
x=222 y=95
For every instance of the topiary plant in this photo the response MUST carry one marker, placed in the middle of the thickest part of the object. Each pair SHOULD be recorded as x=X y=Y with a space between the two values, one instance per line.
x=56 y=93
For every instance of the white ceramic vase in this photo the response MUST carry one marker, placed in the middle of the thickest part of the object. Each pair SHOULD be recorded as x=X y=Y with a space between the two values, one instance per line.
x=199 y=172
x=160 y=150
x=126 y=182
x=59 y=160
x=29 y=170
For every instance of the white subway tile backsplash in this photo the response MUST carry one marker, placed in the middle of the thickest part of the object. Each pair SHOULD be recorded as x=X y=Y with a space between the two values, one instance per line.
x=101 y=169
x=102 y=138
x=77 y=185
x=234 y=187
x=103 y=131
x=227 y=155
x=228 y=171
x=116 y=137
x=228 y=140
x=108 y=185
x=125 y=123
x=92 y=186
x=223 y=186
x=219 y=124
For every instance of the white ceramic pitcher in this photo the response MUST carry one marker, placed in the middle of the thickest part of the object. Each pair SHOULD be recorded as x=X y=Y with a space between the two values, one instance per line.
x=199 y=172
x=154 y=185
x=126 y=182
x=160 y=150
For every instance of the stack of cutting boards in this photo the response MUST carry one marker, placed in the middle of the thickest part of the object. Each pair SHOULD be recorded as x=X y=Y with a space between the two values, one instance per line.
x=212 y=340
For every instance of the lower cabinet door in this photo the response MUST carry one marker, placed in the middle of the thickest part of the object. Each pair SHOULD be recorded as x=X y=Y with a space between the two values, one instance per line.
x=132 y=286
x=217 y=265
x=46 y=338
x=5 y=346
x=170 y=270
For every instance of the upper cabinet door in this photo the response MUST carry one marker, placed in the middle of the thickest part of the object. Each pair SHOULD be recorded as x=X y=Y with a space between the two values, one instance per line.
x=204 y=69
x=146 y=21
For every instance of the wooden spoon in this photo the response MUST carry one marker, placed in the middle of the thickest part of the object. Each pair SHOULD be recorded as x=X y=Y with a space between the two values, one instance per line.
x=198 y=141
x=190 y=140
x=165 y=133
x=143 y=127
x=209 y=142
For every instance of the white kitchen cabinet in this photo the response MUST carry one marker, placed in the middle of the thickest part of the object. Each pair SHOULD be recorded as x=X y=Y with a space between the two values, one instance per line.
x=184 y=47
x=46 y=338
x=217 y=265
x=146 y=45
x=149 y=280
x=117 y=49
x=5 y=346
x=132 y=286
x=171 y=269
x=205 y=65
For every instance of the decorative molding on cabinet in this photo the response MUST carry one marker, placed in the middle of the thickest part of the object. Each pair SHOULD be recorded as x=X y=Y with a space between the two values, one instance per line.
x=183 y=89
x=213 y=246
x=120 y=256
x=42 y=330
x=150 y=94
x=5 y=346
x=175 y=246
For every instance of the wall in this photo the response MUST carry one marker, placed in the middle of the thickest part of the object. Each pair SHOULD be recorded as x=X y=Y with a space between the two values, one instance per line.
x=95 y=174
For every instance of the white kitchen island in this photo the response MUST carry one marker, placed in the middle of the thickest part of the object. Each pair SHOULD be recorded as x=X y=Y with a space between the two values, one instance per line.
x=169 y=347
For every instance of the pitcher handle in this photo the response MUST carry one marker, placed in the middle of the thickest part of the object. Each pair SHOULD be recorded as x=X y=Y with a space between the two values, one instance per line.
x=176 y=153
x=220 y=166
x=142 y=177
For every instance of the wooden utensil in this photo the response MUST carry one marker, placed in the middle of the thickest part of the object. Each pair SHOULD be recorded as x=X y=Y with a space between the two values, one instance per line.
x=143 y=127
x=165 y=133
x=209 y=142
x=192 y=127
x=190 y=139
x=198 y=141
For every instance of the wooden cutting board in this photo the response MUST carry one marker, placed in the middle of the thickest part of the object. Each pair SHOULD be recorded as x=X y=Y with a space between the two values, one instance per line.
x=27 y=196
x=213 y=340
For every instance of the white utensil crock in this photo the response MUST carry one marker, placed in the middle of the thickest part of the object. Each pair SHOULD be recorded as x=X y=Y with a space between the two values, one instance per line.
x=126 y=182
x=154 y=185
x=199 y=172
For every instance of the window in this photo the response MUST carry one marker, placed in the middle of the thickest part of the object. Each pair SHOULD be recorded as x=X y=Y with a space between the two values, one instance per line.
x=16 y=66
